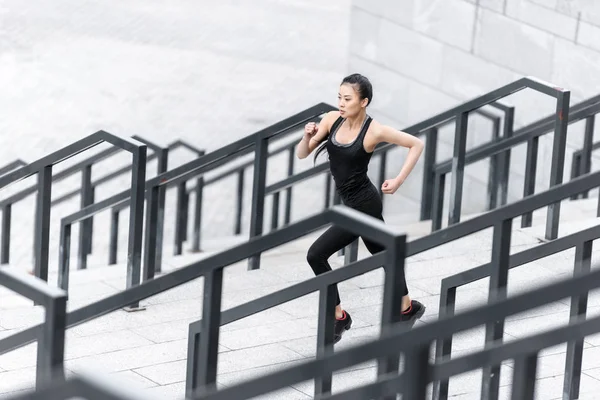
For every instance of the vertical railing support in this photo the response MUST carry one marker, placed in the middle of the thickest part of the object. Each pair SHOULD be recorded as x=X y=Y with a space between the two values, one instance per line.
x=198 y=194
x=211 y=324
x=443 y=346
x=5 y=249
x=530 y=173
x=558 y=160
x=325 y=333
x=51 y=346
x=258 y=195
x=575 y=172
x=288 y=192
x=494 y=169
x=239 y=205
x=179 y=219
x=416 y=375
x=583 y=260
x=275 y=211
x=392 y=298
x=523 y=387
x=490 y=385
x=439 y=186
x=64 y=256
x=163 y=166
x=151 y=235
x=114 y=236
x=85 y=230
x=351 y=253
x=327 y=191
x=428 y=188
x=458 y=168
x=136 y=220
x=586 y=152
x=504 y=168
x=382 y=172
x=42 y=222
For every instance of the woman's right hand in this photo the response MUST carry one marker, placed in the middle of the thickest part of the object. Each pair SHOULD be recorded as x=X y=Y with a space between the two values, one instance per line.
x=310 y=130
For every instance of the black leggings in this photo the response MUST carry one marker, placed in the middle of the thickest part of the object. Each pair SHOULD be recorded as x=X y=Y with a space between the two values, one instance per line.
x=336 y=238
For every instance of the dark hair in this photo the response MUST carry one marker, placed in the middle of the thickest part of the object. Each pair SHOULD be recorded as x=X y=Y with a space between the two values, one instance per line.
x=363 y=87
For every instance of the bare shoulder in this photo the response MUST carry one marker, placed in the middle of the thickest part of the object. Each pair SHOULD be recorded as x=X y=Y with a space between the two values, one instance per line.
x=329 y=119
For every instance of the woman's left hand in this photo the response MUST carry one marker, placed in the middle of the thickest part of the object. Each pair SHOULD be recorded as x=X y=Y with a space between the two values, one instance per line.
x=390 y=186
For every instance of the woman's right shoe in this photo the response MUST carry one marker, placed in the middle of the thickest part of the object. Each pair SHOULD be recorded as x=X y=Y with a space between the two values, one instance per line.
x=341 y=325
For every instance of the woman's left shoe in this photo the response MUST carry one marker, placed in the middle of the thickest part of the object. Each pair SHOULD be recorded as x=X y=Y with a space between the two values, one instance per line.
x=341 y=326
x=413 y=313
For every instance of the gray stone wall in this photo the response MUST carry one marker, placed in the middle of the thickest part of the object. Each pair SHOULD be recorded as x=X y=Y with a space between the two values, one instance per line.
x=425 y=56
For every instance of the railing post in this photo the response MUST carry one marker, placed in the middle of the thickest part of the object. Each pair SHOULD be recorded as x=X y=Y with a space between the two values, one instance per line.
x=327 y=191
x=575 y=172
x=258 y=195
x=185 y=215
x=199 y=193
x=494 y=331
x=51 y=346
x=179 y=219
x=5 y=250
x=211 y=324
x=416 y=373
x=337 y=200
x=439 y=187
x=382 y=172
x=351 y=254
x=239 y=205
x=275 y=212
x=458 y=168
x=163 y=166
x=583 y=259
x=530 y=172
x=504 y=169
x=494 y=170
x=84 y=225
x=524 y=374
x=114 y=236
x=428 y=189
x=136 y=220
x=325 y=332
x=288 y=197
x=443 y=346
x=586 y=153
x=91 y=219
x=151 y=233
x=64 y=257
x=42 y=222
x=392 y=299
x=558 y=160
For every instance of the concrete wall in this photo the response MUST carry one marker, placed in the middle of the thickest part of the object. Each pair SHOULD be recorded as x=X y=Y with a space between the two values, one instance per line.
x=425 y=56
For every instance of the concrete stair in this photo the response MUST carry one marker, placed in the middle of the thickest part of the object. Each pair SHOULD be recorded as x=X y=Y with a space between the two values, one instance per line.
x=148 y=349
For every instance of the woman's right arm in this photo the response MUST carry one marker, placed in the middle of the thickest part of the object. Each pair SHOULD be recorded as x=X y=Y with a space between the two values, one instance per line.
x=313 y=135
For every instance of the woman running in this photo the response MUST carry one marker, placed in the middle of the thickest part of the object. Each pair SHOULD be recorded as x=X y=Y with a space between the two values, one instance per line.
x=350 y=137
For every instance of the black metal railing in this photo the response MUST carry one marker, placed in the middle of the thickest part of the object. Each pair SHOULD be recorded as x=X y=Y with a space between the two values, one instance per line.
x=12 y=165
x=86 y=192
x=212 y=268
x=434 y=175
x=499 y=219
x=43 y=169
x=256 y=142
x=418 y=372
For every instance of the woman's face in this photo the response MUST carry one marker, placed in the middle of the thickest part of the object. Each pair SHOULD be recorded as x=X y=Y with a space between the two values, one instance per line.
x=349 y=101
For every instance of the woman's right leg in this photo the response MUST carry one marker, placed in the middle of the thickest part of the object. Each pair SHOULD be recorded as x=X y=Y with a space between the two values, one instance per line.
x=332 y=240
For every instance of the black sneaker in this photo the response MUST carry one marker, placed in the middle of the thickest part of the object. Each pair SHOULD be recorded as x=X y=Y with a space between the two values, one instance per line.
x=341 y=325
x=414 y=312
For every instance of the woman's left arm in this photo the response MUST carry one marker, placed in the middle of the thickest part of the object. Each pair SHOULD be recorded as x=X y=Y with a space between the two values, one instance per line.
x=415 y=147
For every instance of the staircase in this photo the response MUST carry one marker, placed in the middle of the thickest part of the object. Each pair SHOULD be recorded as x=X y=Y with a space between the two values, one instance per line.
x=149 y=349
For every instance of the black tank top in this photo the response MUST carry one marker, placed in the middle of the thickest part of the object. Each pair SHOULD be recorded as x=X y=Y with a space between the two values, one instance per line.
x=349 y=165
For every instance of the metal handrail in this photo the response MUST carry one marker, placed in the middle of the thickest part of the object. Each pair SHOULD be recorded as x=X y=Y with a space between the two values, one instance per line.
x=43 y=169
x=209 y=162
x=418 y=373
x=212 y=271
x=496 y=219
x=87 y=192
x=436 y=181
x=12 y=165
